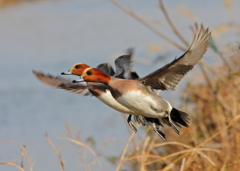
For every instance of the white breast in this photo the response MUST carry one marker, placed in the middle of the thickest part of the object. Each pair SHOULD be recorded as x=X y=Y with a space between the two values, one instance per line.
x=111 y=102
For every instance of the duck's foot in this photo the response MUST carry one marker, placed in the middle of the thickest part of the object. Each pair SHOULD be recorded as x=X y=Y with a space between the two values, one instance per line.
x=131 y=124
x=142 y=120
x=158 y=131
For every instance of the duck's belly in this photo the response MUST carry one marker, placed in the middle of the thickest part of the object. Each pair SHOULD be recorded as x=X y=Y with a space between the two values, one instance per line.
x=111 y=102
x=143 y=104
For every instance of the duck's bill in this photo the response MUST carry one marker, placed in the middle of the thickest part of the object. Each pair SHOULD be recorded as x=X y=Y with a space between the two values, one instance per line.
x=66 y=73
x=79 y=80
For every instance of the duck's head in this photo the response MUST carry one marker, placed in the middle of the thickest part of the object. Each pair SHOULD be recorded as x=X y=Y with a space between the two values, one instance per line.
x=95 y=75
x=76 y=69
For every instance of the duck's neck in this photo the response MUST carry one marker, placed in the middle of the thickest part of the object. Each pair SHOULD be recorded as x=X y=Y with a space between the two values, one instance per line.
x=103 y=79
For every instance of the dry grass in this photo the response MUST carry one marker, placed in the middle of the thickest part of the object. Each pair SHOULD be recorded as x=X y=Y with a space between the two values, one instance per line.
x=25 y=158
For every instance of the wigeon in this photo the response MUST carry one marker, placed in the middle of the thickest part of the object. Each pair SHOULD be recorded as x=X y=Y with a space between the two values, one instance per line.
x=122 y=66
x=137 y=96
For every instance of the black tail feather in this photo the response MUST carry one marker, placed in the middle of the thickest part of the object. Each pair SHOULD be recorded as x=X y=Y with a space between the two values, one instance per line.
x=179 y=117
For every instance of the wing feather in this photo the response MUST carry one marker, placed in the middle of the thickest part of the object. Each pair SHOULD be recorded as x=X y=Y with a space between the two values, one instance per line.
x=62 y=83
x=168 y=77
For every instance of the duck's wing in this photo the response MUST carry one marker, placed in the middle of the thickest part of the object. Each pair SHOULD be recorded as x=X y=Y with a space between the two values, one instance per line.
x=168 y=77
x=62 y=83
x=124 y=66
x=106 y=68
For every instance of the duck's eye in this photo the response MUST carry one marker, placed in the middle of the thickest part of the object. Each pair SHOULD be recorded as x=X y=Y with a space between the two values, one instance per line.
x=77 y=66
x=89 y=73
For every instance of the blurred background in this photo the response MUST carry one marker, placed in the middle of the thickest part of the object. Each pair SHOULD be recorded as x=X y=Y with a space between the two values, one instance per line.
x=52 y=35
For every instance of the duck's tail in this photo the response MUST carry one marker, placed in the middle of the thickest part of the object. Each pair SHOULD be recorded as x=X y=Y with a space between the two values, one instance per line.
x=180 y=117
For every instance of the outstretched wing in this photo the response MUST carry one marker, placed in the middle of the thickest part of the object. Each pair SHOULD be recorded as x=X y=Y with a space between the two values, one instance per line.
x=168 y=77
x=62 y=83
x=124 y=66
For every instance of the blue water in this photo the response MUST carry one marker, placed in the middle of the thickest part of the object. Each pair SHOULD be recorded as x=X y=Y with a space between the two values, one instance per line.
x=52 y=36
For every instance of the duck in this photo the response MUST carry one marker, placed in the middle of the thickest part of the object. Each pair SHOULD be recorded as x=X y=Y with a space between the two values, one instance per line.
x=136 y=94
x=123 y=69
